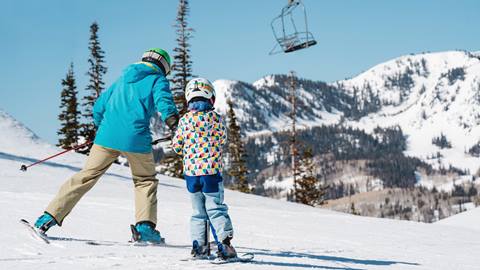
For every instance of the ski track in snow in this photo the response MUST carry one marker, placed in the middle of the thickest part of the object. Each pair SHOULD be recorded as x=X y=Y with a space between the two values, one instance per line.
x=282 y=235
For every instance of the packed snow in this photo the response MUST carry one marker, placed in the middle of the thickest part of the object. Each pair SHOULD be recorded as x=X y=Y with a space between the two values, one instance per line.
x=469 y=220
x=282 y=235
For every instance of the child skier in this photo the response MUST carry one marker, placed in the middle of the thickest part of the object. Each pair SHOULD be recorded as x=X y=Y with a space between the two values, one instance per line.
x=199 y=138
x=122 y=118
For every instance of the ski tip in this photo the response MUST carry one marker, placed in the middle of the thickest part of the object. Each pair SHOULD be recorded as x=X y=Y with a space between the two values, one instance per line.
x=34 y=232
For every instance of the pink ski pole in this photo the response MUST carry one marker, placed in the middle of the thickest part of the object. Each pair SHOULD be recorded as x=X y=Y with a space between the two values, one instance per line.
x=25 y=167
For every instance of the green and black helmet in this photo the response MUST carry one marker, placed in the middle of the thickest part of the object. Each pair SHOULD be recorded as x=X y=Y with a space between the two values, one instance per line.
x=158 y=57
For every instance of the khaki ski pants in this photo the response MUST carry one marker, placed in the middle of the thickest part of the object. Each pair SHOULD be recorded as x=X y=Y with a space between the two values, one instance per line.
x=99 y=160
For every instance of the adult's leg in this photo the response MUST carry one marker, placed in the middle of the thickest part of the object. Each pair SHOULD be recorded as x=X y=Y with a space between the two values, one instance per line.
x=98 y=161
x=217 y=210
x=143 y=174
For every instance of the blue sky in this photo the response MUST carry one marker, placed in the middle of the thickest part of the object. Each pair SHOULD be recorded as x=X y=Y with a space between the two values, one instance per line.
x=232 y=40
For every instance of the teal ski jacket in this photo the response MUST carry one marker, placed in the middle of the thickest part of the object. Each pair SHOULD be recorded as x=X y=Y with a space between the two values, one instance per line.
x=122 y=113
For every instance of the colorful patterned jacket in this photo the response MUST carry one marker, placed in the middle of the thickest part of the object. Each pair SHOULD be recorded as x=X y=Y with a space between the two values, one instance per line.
x=200 y=138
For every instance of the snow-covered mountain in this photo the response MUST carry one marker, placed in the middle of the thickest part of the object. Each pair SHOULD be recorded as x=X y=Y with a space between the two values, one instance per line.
x=426 y=95
x=282 y=235
x=429 y=95
x=264 y=105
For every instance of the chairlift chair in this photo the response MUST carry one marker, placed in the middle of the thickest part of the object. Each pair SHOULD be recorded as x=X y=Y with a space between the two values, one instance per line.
x=289 y=37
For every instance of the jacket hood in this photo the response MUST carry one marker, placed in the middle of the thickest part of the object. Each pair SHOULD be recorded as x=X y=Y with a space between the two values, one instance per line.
x=138 y=71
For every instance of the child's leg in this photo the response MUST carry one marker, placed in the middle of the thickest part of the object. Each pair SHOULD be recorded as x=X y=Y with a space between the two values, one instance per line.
x=199 y=215
x=217 y=210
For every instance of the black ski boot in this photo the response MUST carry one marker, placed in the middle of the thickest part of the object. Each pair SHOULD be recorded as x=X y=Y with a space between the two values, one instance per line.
x=226 y=250
x=199 y=252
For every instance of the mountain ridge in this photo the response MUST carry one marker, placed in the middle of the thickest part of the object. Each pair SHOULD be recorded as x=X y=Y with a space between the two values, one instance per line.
x=425 y=94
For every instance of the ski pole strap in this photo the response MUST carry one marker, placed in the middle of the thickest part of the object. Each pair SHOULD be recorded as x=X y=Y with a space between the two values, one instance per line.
x=25 y=167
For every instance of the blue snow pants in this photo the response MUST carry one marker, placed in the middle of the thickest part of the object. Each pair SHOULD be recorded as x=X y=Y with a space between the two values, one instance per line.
x=206 y=193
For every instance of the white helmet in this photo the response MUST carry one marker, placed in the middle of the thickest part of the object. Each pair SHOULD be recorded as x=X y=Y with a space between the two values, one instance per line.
x=199 y=87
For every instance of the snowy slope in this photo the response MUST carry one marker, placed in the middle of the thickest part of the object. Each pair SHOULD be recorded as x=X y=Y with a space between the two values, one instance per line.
x=282 y=235
x=469 y=219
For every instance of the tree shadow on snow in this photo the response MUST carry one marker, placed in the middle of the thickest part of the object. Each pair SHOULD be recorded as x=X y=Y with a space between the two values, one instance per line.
x=335 y=259
x=51 y=164
x=59 y=165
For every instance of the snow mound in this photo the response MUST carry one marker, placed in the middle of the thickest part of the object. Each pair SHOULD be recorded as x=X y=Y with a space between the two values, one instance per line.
x=469 y=219
x=17 y=139
x=14 y=132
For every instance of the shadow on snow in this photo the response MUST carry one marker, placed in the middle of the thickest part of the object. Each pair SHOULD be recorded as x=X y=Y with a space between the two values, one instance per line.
x=59 y=165
x=335 y=259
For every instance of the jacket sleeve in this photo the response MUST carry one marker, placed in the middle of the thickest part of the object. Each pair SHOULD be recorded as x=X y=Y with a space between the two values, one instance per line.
x=177 y=141
x=99 y=106
x=163 y=99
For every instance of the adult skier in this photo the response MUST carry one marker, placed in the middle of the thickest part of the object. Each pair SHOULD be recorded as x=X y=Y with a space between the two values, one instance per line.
x=122 y=118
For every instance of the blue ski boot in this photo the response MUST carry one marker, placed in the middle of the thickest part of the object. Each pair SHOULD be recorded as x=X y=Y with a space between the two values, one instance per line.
x=144 y=231
x=45 y=222
x=226 y=250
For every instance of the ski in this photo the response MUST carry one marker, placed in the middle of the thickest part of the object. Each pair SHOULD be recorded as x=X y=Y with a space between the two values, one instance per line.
x=199 y=258
x=243 y=258
x=133 y=244
x=34 y=232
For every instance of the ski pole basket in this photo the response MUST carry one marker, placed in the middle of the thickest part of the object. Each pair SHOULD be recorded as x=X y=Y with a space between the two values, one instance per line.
x=291 y=36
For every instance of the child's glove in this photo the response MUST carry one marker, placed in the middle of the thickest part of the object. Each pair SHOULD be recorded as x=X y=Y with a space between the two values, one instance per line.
x=172 y=122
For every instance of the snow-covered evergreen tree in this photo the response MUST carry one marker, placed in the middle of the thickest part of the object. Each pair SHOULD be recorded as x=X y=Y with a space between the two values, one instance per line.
x=308 y=189
x=182 y=63
x=69 y=115
x=237 y=168
x=96 y=85
x=181 y=74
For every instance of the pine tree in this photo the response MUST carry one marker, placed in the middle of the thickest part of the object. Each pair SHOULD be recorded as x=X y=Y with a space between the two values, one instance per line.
x=293 y=135
x=69 y=115
x=173 y=165
x=236 y=153
x=95 y=86
x=308 y=189
x=182 y=63
x=181 y=74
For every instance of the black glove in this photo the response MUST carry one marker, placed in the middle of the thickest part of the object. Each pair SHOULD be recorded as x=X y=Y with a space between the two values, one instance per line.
x=172 y=122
